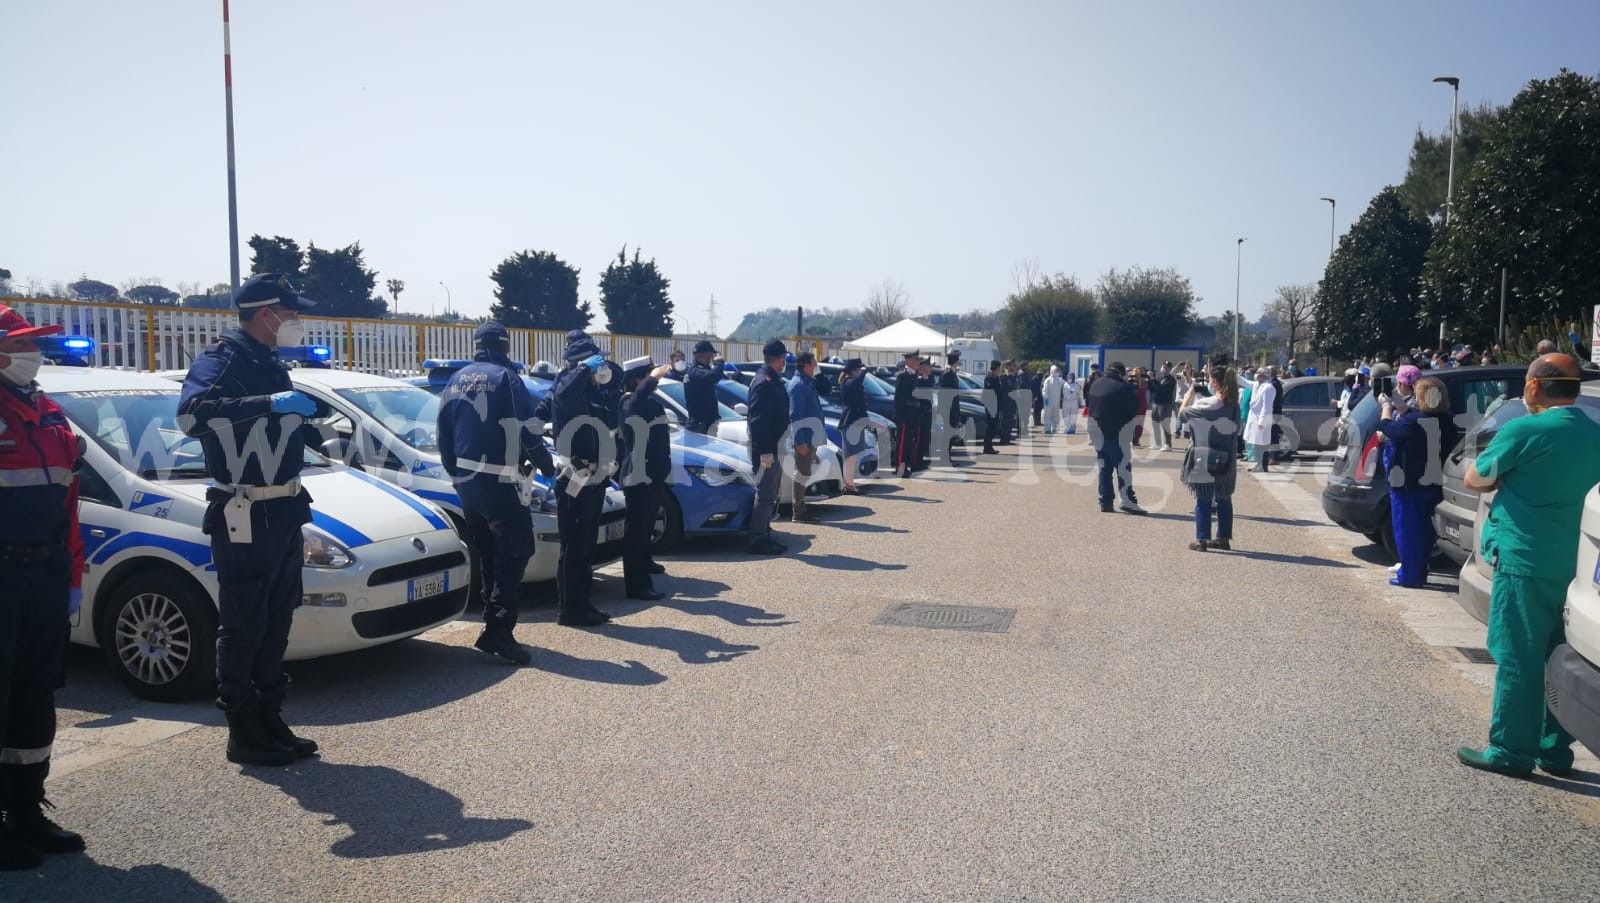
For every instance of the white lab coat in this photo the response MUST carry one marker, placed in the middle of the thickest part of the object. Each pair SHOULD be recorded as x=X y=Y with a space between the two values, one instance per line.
x=1258 y=428
x=1071 y=403
x=1050 y=392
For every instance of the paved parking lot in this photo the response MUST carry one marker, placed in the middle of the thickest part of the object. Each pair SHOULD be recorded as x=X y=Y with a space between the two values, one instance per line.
x=1155 y=723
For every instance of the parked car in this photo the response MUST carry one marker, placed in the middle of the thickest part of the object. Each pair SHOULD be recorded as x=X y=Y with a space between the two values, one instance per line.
x=1572 y=675
x=1458 y=516
x=1310 y=413
x=736 y=395
x=380 y=564
x=1356 y=496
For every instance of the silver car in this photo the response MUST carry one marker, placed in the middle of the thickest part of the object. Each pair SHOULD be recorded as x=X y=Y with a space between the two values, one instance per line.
x=1311 y=412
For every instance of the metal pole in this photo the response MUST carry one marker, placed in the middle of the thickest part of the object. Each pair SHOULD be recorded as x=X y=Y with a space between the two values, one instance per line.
x=1238 y=268
x=233 y=198
x=1501 y=333
x=448 y=304
x=1333 y=210
x=1450 y=176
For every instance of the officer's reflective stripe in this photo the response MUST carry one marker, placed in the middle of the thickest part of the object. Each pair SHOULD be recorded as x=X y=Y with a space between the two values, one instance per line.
x=36 y=476
x=495 y=470
x=10 y=756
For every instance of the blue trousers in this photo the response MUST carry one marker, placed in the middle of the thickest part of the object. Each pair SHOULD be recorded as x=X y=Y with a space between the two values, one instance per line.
x=1411 y=515
x=1112 y=457
x=500 y=530
x=1204 y=496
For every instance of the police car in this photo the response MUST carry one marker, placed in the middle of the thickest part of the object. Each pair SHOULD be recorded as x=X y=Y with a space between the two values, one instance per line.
x=380 y=563
x=388 y=427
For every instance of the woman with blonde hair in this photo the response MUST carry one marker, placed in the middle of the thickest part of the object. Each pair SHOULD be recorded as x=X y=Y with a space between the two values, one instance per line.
x=1210 y=465
x=1416 y=422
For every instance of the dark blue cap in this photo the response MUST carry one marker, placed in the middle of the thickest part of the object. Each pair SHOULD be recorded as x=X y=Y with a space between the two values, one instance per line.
x=704 y=347
x=491 y=335
x=773 y=349
x=267 y=289
x=579 y=347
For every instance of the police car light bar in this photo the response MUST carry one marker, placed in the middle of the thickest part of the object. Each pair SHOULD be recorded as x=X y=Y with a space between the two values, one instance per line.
x=316 y=355
x=69 y=350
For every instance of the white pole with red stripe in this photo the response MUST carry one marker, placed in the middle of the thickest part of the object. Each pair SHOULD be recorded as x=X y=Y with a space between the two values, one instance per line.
x=233 y=199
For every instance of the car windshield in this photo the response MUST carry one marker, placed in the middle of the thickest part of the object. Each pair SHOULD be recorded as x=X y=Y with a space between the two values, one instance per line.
x=139 y=427
x=1507 y=410
x=674 y=391
x=968 y=382
x=876 y=386
x=408 y=412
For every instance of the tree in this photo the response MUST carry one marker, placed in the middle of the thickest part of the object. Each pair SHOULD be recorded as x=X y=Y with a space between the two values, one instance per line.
x=340 y=282
x=633 y=293
x=5 y=282
x=277 y=255
x=1369 y=299
x=87 y=289
x=537 y=290
x=1428 y=170
x=1531 y=204
x=218 y=297
x=154 y=294
x=1293 y=309
x=1146 y=307
x=1049 y=314
x=886 y=303
x=396 y=286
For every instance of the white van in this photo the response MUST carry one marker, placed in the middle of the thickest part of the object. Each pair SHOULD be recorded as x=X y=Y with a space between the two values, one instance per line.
x=380 y=563
x=1572 y=676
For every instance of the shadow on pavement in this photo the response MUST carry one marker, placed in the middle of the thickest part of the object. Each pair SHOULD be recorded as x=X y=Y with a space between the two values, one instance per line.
x=1280 y=521
x=386 y=681
x=733 y=612
x=64 y=878
x=629 y=673
x=388 y=812
x=1311 y=560
x=1372 y=553
x=836 y=562
x=1582 y=783
x=868 y=528
x=691 y=648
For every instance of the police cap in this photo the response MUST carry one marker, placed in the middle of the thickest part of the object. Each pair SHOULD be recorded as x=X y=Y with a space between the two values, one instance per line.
x=704 y=347
x=491 y=335
x=267 y=289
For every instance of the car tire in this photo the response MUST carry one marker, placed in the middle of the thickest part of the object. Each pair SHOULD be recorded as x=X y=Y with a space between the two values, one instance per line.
x=666 y=533
x=159 y=633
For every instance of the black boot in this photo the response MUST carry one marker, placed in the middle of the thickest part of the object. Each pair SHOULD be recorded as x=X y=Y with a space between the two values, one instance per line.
x=272 y=725
x=25 y=819
x=501 y=642
x=248 y=741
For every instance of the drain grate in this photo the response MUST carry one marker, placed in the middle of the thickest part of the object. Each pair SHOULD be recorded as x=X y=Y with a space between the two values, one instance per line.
x=971 y=618
x=1475 y=655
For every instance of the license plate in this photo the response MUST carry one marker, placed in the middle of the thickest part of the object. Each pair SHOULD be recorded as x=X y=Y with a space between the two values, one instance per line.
x=612 y=532
x=424 y=587
x=1452 y=530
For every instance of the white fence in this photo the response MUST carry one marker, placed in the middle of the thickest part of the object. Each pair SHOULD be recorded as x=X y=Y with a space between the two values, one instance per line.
x=142 y=337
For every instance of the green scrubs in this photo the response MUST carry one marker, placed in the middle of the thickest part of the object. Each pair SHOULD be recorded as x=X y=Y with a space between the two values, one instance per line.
x=1546 y=464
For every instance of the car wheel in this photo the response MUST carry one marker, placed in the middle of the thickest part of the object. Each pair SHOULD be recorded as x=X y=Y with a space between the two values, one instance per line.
x=667 y=531
x=159 y=632
x=474 y=564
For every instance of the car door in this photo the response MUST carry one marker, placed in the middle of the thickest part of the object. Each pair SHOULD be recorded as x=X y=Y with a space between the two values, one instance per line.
x=1311 y=413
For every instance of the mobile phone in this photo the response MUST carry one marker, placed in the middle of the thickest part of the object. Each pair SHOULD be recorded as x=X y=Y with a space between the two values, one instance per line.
x=1383 y=385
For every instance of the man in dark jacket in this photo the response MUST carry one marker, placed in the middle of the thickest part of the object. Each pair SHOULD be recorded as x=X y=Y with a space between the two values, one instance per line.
x=854 y=419
x=907 y=417
x=993 y=400
x=1163 y=393
x=646 y=472
x=925 y=386
x=700 y=389
x=768 y=420
x=805 y=418
x=1275 y=453
x=482 y=401
x=584 y=406
x=1113 y=407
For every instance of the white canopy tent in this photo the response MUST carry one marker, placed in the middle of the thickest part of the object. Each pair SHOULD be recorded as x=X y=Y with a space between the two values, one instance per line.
x=889 y=344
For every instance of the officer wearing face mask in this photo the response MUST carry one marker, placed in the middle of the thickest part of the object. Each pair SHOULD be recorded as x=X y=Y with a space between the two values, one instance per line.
x=677 y=367
x=700 y=389
x=238 y=402
x=585 y=404
x=41 y=556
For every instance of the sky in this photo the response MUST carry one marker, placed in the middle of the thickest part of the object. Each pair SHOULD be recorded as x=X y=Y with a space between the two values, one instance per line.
x=770 y=154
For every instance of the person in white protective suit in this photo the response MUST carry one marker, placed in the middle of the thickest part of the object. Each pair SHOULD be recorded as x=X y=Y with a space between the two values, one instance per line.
x=1071 y=403
x=1050 y=394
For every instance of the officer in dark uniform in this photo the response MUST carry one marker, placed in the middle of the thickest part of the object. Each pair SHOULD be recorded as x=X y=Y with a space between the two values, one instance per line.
x=994 y=400
x=481 y=403
x=645 y=473
x=767 y=420
x=925 y=386
x=41 y=558
x=237 y=400
x=585 y=403
x=907 y=416
x=949 y=412
x=700 y=390
x=854 y=419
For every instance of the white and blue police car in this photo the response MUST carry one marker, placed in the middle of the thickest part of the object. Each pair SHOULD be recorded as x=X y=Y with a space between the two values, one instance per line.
x=380 y=563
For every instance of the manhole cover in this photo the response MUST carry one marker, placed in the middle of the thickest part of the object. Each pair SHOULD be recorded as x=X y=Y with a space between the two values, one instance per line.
x=1475 y=655
x=948 y=617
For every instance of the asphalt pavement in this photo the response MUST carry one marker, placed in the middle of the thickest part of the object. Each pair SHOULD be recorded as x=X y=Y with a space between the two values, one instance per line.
x=1153 y=723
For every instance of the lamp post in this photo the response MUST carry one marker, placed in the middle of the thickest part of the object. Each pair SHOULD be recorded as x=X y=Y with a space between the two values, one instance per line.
x=1455 y=107
x=1238 y=268
x=1333 y=206
x=447 y=302
x=233 y=198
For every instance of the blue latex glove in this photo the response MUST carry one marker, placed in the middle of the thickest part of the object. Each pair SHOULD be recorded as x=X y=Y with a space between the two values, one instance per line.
x=595 y=363
x=293 y=403
x=74 y=600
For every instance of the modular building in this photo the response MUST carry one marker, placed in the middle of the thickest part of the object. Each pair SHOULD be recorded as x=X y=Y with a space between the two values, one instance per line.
x=1080 y=358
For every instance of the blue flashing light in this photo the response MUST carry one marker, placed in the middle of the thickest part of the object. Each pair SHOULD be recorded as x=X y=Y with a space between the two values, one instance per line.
x=68 y=350
x=307 y=355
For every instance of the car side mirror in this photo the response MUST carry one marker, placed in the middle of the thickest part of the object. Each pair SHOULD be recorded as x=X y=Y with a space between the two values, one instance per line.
x=343 y=450
x=741 y=409
x=83 y=445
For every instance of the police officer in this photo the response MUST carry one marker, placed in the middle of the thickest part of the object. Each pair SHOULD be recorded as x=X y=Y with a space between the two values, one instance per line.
x=949 y=412
x=584 y=406
x=767 y=420
x=237 y=400
x=700 y=389
x=645 y=471
x=41 y=556
x=486 y=415
x=994 y=401
x=925 y=386
x=907 y=416
x=677 y=365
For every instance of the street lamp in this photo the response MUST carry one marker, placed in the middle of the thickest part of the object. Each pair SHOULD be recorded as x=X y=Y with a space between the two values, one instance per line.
x=1238 y=267
x=446 y=297
x=233 y=196
x=1333 y=206
x=1455 y=107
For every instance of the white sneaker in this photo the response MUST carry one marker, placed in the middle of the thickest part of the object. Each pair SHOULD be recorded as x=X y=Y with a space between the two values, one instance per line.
x=1132 y=508
x=1394 y=568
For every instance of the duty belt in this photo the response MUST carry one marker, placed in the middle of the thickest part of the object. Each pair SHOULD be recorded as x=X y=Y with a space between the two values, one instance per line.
x=28 y=554
x=523 y=481
x=236 y=513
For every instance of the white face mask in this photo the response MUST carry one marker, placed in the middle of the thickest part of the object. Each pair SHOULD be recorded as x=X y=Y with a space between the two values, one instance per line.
x=602 y=376
x=23 y=368
x=290 y=332
x=680 y=366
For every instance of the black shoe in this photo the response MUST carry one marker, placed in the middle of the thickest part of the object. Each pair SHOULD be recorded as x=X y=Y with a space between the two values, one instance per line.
x=767 y=547
x=248 y=743
x=16 y=856
x=28 y=825
x=1105 y=509
x=1197 y=546
x=1219 y=544
x=594 y=617
x=656 y=568
x=648 y=595
x=504 y=645
x=807 y=518
x=272 y=724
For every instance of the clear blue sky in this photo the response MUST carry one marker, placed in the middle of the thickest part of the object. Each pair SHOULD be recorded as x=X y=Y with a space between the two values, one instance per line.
x=791 y=154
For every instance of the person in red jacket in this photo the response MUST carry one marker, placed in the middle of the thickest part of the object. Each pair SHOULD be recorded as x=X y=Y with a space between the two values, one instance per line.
x=41 y=555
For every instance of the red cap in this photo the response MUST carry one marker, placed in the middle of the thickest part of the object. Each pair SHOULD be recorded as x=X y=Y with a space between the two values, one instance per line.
x=13 y=326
